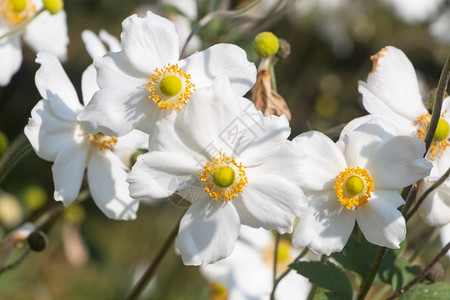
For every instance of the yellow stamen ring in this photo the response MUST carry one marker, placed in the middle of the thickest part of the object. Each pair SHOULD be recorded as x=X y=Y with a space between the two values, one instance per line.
x=17 y=11
x=223 y=178
x=353 y=187
x=170 y=87
x=102 y=141
x=440 y=140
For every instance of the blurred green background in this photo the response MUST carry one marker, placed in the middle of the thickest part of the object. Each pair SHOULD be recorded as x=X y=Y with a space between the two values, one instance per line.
x=330 y=48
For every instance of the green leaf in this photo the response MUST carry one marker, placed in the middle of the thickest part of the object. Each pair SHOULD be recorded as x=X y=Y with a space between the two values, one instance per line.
x=435 y=291
x=357 y=255
x=325 y=275
x=399 y=274
x=327 y=296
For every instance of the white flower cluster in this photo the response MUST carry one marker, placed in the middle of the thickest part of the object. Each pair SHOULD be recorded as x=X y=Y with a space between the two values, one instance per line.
x=210 y=145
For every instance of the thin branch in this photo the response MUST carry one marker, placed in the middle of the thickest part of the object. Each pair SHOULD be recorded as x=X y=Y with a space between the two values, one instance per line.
x=421 y=274
x=15 y=263
x=365 y=286
x=148 y=275
x=223 y=13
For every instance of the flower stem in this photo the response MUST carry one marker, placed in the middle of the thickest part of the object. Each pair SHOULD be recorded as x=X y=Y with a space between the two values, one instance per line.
x=12 y=155
x=437 y=106
x=365 y=286
x=223 y=13
x=275 y=257
x=148 y=275
x=277 y=280
x=421 y=274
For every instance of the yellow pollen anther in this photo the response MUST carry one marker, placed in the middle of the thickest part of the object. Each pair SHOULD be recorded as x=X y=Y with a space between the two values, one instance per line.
x=170 y=87
x=442 y=130
x=17 y=11
x=102 y=141
x=440 y=140
x=353 y=187
x=223 y=178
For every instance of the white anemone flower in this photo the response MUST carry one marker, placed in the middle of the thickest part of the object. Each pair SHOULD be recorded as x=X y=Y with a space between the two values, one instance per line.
x=146 y=80
x=224 y=157
x=57 y=136
x=43 y=32
x=444 y=235
x=355 y=180
x=248 y=272
x=392 y=92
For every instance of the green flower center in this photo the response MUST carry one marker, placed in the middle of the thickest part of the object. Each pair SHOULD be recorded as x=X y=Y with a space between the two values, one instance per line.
x=265 y=44
x=442 y=130
x=354 y=185
x=170 y=85
x=224 y=176
x=18 y=5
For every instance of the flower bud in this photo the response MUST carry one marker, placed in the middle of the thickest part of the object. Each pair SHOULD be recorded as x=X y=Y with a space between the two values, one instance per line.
x=74 y=213
x=265 y=44
x=34 y=197
x=37 y=241
x=54 y=6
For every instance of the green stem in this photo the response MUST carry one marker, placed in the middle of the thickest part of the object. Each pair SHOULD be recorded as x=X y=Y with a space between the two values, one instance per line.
x=275 y=257
x=148 y=275
x=365 y=286
x=17 y=262
x=422 y=274
x=284 y=274
x=222 y=13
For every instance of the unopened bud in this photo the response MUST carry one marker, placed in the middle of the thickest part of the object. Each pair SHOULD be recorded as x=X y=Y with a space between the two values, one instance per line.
x=37 y=241
x=436 y=273
x=53 y=6
x=265 y=44
x=284 y=50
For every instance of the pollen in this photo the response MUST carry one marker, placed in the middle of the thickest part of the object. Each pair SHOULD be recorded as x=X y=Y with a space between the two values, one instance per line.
x=223 y=178
x=102 y=141
x=169 y=87
x=16 y=12
x=440 y=139
x=353 y=187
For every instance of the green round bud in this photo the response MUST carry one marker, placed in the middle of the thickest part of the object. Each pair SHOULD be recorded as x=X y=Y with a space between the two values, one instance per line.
x=265 y=44
x=170 y=85
x=224 y=176
x=3 y=142
x=442 y=130
x=54 y=6
x=18 y=5
x=354 y=185
x=37 y=241
x=74 y=213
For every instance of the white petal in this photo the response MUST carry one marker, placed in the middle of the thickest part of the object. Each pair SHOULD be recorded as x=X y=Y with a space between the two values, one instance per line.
x=272 y=200
x=384 y=122
x=221 y=59
x=149 y=42
x=293 y=284
x=445 y=236
x=10 y=58
x=112 y=42
x=210 y=113
x=160 y=174
x=114 y=71
x=263 y=140
x=108 y=186
x=393 y=81
x=117 y=111
x=89 y=84
x=381 y=223
x=398 y=163
x=207 y=232
x=321 y=161
x=47 y=132
x=54 y=85
x=325 y=226
x=93 y=44
x=48 y=32
x=363 y=142
x=68 y=171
